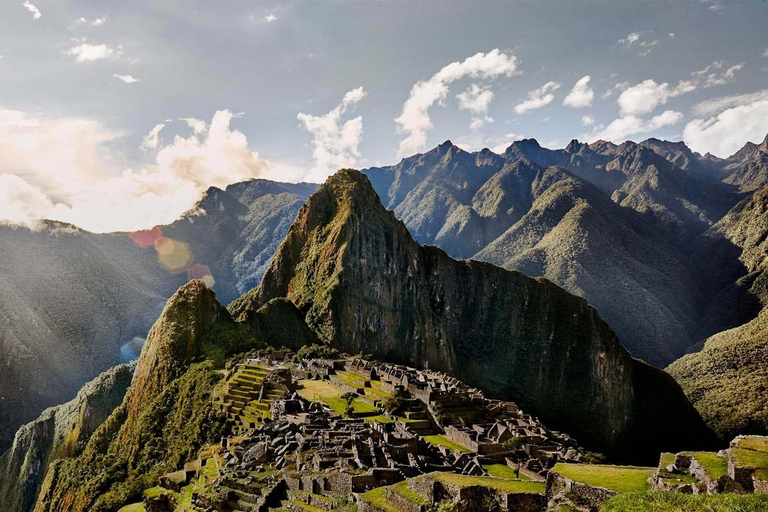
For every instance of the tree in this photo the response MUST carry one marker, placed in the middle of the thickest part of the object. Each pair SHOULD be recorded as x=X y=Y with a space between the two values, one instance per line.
x=349 y=397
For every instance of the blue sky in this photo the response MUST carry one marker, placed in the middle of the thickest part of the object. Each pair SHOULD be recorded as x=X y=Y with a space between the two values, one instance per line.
x=304 y=87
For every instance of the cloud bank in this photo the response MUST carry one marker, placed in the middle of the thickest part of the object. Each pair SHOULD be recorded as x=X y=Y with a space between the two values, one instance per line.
x=335 y=143
x=414 y=121
x=581 y=95
x=59 y=169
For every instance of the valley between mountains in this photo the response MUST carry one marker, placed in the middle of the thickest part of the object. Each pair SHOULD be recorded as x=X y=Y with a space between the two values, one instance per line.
x=563 y=280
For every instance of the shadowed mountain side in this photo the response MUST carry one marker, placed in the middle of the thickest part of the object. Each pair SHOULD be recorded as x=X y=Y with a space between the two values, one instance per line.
x=728 y=379
x=69 y=300
x=364 y=284
x=749 y=170
x=575 y=236
x=60 y=431
x=732 y=258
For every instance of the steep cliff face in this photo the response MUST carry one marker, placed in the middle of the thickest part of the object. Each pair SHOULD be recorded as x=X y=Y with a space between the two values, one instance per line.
x=60 y=431
x=364 y=284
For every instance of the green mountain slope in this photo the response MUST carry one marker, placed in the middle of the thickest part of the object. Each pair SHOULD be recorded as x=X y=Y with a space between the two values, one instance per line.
x=60 y=431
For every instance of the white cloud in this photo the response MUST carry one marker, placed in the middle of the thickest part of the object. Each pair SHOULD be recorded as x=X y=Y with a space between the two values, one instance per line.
x=621 y=86
x=414 y=121
x=727 y=132
x=630 y=39
x=715 y=106
x=672 y=35
x=88 y=52
x=622 y=128
x=59 y=169
x=36 y=14
x=581 y=95
x=21 y=202
x=711 y=78
x=644 y=46
x=765 y=53
x=538 y=98
x=476 y=100
x=197 y=125
x=270 y=18
x=587 y=120
x=335 y=142
x=152 y=139
x=127 y=79
x=98 y=22
x=644 y=97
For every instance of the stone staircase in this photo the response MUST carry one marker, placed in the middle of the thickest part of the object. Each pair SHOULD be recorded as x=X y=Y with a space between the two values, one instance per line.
x=248 y=397
x=419 y=419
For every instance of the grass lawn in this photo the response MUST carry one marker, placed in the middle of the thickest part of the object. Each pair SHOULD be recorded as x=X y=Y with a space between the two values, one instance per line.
x=330 y=394
x=752 y=458
x=655 y=501
x=377 y=498
x=133 y=507
x=314 y=389
x=503 y=471
x=403 y=490
x=714 y=466
x=511 y=486
x=759 y=443
x=615 y=478
x=440 y=440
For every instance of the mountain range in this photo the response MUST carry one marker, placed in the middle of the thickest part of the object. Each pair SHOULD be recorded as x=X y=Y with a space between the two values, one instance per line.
x=667 y=245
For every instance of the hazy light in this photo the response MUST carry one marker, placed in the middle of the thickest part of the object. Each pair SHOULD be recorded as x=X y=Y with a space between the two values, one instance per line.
x=198 y=271
x=131 y=350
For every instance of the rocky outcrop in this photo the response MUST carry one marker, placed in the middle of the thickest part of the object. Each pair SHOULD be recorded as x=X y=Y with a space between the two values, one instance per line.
x=364 y=284
x=60 y=431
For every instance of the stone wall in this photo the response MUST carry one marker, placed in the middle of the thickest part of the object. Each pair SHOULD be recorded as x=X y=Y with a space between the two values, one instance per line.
x=566 y=492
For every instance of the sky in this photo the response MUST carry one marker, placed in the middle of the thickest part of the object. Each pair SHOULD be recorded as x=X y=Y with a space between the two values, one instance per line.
x=117 y=116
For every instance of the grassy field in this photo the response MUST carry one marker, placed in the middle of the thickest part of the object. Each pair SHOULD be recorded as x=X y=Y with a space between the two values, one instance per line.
x=753 y=458
x=655 y=501
x=759 y=443
x=714 y=466
x=503 y=471
x=440 y=440
x=133 y=507
x=511 y=486
x=330 y=394
x=403 y=490
x=615 y=478
x=377 y=498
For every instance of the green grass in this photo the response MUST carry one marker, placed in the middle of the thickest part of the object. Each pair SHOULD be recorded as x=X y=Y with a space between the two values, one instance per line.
x=440 y=440
x=503 y=471
x=133 y=507
x=154 y=492
x=752 y=458
x=305 y=506
x=615 y=478
x=713 y=465
x=403 y=490
x=378 y=499
x=655 y=501
x=759 y=443
x=510 y=486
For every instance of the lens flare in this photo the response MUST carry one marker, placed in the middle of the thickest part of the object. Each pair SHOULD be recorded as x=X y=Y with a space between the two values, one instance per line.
x=146 y=238
x=198 y=271
x=172 y=254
